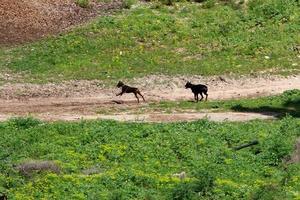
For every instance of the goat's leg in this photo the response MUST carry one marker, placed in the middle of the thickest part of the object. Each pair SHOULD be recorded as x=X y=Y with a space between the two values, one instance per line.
x=141 y=95
x=136 y=96
x=197 y=96
x=206 y=96
x=201 y=96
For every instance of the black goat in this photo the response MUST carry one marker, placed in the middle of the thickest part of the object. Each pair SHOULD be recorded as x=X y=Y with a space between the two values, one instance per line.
x=197 y=89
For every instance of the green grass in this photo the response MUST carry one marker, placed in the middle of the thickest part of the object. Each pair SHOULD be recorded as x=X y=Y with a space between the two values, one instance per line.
x=186 y=38
x=286 y=103
x=137 y=160
x=82 y=3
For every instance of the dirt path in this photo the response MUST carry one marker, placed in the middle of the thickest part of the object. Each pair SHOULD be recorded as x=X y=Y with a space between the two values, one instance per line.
x=153 y=117
x=89 y=99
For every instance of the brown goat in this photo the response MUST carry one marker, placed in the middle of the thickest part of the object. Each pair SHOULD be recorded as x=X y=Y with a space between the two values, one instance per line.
x=128 y=89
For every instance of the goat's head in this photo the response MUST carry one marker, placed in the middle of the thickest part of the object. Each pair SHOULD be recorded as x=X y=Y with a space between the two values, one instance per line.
x=188 y=84
x=120 y=84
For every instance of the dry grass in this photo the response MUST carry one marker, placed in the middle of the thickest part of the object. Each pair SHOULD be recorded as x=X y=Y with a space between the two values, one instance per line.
x=295 y=157
x=29 y=167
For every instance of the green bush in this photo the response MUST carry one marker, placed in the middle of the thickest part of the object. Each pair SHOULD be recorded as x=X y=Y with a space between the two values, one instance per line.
x=205 y=180
x=128 y=3
x=83 y=3
x=24 y=123
x=272 y=9
x=209 y=4
x=184 y=191
x=202 y=186
x=268 y=192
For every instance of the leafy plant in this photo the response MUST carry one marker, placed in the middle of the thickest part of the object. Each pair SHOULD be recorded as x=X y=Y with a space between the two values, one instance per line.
x=272 y=9
x=24 y=123
x=209 y=4
x=128 y=3
x=139 y=161
x=83 y=3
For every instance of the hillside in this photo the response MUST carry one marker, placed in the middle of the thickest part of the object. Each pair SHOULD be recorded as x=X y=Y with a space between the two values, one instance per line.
x=29 y=20
x=186 y=38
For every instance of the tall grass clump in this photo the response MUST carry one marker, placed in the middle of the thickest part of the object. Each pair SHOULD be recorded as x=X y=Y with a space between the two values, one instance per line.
x=272 y=9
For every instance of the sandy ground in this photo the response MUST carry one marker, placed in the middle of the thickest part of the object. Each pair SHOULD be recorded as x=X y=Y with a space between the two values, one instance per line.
x=158 y=117
x=77 y=100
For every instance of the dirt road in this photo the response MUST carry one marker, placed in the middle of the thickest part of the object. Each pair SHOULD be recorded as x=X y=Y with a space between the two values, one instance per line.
x=89 y=99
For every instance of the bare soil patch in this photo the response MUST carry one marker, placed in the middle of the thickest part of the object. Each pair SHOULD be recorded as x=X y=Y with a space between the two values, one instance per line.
x=295 y=157
x=28 y=20
x=159 y=117
x=92 y=100
x=27 y=168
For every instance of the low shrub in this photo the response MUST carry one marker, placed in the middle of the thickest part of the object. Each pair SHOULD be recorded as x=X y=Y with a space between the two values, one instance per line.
x=128 y=3
x=83 y=3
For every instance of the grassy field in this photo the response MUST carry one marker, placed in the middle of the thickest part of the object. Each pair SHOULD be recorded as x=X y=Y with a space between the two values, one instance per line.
x=110 y=160
x=187 y=38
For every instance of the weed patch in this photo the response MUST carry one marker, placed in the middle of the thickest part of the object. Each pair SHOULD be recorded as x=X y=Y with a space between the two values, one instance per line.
x=110 y=160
